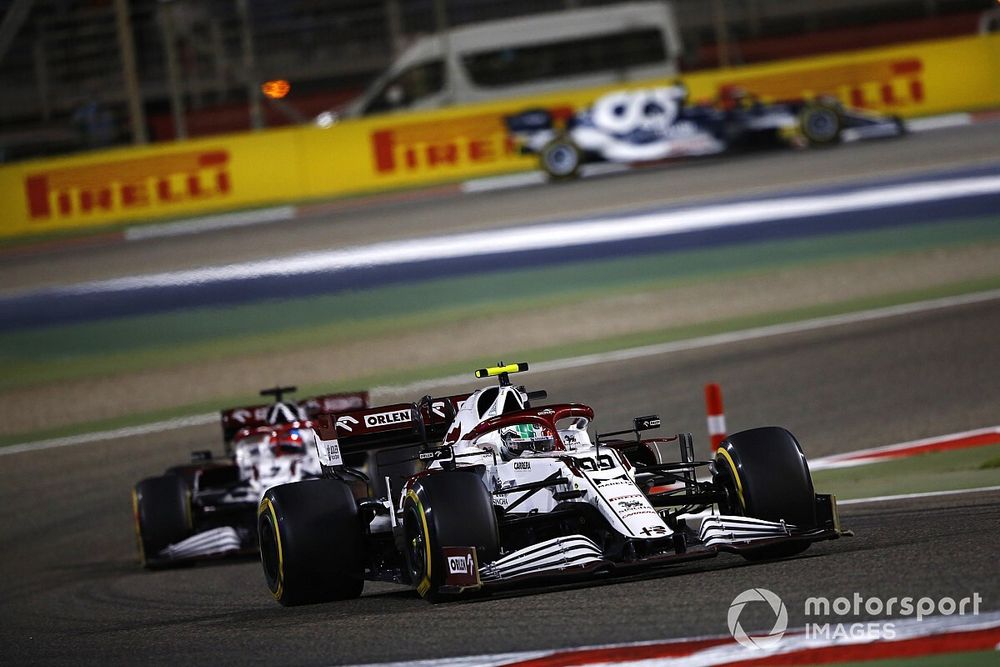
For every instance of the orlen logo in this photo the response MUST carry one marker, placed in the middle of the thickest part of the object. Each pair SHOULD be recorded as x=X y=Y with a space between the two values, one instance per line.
x=460 y=564
x=128 y=184
x=432 y=145
x=872 y=84
x=386 y=418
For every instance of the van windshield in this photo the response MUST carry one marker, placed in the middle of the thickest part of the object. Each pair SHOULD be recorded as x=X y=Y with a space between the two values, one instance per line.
x=409 y=87
x=553 y=60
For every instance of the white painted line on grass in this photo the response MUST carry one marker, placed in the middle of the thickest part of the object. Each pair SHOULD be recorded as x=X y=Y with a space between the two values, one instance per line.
x=908 y=496
x=518 y=180
x=100 y=436
x=211 y=223
x=938 y=122
x=717 y=339
x=560 y=235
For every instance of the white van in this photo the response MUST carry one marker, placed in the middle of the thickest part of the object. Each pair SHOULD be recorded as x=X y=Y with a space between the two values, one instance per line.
x=527 y=55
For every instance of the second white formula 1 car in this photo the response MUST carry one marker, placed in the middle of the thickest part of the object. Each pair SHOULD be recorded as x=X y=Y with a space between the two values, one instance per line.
x=482 y=491
x=207 y=508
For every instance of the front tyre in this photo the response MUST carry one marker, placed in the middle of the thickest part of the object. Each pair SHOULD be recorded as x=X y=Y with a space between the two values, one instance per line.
x=764 y=473
x=821 y=124
x=561 y=159
x=447 y=509
x=161 y=509
x=311 y=542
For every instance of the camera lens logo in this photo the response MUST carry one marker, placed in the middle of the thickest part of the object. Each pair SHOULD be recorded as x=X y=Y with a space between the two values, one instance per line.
x=758 y=641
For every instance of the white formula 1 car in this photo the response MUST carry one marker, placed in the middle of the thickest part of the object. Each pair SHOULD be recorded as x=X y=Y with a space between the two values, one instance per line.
x=207 y=508
x=482 y=491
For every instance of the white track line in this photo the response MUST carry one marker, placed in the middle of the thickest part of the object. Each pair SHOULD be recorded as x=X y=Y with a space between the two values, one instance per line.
x=211 y=223
x=100 y=436
x=719 y=339
x=560 y=235
x=907 y=496
x=939 y=122
x=560 y=364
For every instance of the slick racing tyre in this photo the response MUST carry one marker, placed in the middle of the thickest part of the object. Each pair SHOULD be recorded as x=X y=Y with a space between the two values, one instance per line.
x=311 y=542
x=161 y=507
x=447 y=509
x=765 y=475
x=821 y=124
x=561 y=159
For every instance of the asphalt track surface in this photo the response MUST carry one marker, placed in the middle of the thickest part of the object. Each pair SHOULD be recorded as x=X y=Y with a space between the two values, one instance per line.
x=72 y=592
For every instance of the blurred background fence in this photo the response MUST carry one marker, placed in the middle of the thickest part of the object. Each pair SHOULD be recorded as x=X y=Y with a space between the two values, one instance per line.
x=66 y=76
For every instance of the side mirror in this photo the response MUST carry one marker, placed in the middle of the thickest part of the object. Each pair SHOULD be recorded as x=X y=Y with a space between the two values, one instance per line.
x=646 y=423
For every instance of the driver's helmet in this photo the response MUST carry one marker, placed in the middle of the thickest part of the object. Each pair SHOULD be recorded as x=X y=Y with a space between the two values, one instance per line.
x=293 y=441
x=521 y=438
x=283 y=412
x=732 y=97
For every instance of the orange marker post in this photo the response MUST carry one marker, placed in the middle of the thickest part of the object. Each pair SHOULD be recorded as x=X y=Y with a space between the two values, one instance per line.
x=716 y=416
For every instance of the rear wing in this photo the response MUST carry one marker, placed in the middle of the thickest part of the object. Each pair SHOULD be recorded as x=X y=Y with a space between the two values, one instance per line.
x=387 y=425
x=252 y=416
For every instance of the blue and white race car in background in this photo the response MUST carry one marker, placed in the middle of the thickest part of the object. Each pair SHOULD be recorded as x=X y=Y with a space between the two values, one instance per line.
x=652 y=124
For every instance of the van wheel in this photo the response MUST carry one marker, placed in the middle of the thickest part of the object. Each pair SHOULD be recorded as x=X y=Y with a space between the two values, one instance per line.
x=561 y=159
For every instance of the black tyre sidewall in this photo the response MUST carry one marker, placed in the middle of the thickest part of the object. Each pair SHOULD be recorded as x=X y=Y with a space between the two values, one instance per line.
x=774 y=483
x=311 y=542
x=449 y=509
x=162 y=511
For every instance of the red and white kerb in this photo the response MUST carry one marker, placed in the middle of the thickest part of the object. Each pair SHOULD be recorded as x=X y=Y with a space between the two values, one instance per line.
x=716 y=417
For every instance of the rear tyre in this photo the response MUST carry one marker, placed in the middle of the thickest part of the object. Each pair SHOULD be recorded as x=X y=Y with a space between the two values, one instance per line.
x=161 y=508
x=447 y=509
x=821 y=124
x=765 y=475
x=311 y=542
x=561 y=159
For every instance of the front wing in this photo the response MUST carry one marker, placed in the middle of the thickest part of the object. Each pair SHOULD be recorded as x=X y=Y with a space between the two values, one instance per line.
x=221 y=542
x=576 y=556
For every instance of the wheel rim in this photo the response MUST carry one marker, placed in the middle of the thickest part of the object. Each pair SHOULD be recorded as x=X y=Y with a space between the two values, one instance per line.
x=561 y=159
x=821 y=125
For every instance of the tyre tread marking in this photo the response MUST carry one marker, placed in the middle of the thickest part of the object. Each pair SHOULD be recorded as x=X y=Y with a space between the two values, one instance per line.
x=425 y=583
x=280 y=589
x=736 y=477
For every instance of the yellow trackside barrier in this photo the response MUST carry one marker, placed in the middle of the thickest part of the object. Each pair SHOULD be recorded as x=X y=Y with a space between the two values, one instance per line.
x=139 y=184
x=915 y=79
x=407 y=150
